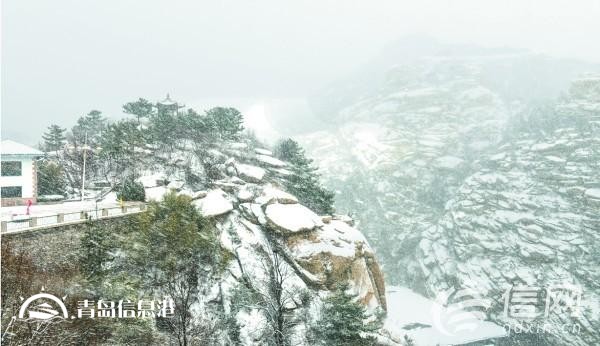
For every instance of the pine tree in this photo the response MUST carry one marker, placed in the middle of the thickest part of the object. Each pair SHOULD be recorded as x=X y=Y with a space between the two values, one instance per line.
x=94 y=253
x=51 y=178
x=194 y=126
x=163 y=129
x=118 y=146
x=226 y=123
x=141 y=108
x=177 y=254
x=54 y=138
x=131 y=190
x=304 y=183
x=91 y=125
x=342 y=320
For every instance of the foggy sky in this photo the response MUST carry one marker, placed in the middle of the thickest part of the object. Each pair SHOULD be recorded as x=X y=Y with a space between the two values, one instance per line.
x=62 y=58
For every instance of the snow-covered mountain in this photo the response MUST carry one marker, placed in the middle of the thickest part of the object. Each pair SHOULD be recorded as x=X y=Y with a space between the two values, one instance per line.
x=457 y=184
x=530 y=215
x=256 y=219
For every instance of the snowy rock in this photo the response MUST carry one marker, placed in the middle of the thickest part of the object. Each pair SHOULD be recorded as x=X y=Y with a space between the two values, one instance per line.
x=253 y=216
x=238 y=145
x=291 y=218
x=176 y=184
x=199 y=194
x=230 y=170
x=236 y=180
x=217 y=156
x=226 y=185
x=338 y=252
x=249 y=173
x=245 y=194
x=152 y=180
x=272 y=194
x=344 y=218
x=270 y=161
x=215 y=203
x=283 y=172
x=247 y=212
x=593 y=193
x=258 y=212
x=263 y=152
x=254 y=213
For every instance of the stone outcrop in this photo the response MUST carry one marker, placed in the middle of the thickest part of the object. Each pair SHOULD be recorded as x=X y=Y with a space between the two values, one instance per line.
x=255 y=215
x=291 y=218
x=214 y=203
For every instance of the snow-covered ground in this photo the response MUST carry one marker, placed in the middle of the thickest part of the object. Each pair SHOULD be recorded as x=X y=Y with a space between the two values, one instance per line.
x=414 y=315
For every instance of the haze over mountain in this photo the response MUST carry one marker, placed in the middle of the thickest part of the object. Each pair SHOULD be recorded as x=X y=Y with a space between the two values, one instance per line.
x=469 y=167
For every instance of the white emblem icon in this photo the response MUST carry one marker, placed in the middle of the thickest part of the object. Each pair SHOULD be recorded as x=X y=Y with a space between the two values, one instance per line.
x=47 y=308
x=458 y=311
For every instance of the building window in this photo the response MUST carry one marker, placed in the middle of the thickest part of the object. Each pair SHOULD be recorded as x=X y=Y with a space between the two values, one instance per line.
x=11 y=191
x=11 y=168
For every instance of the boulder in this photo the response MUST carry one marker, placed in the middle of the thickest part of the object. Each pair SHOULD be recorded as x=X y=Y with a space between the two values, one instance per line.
x=291 y=218
x=272 y=194
x=253 y=213
x=237 y=181
x=249 y=173
x=270 y=161
x=337 y=253
x=593 y=193
x=245 y=194
x=344 y=218
x=282 y=172
x=258 y=212
x=199 y=194
x=263 y=152
x=176 y=184
x=215 y=203
x=247 y=213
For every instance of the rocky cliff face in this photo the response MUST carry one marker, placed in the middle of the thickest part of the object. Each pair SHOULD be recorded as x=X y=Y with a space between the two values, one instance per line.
x=529 y=216
x=455 y=187
x=255 y=216
x=397 y=156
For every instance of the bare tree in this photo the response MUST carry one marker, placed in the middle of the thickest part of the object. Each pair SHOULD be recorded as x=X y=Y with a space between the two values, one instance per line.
x=186 y=326
x=276 y=296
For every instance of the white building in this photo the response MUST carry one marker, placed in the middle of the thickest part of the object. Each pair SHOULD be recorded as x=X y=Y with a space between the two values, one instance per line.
x=18 y=182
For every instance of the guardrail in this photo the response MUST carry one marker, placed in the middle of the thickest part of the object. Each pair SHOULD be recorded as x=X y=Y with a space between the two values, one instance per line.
x=61 y=219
